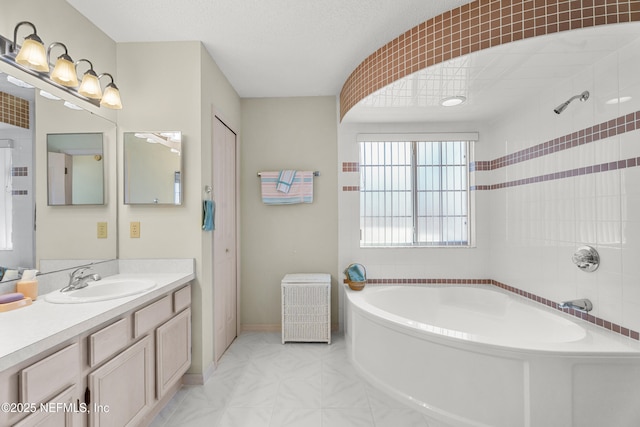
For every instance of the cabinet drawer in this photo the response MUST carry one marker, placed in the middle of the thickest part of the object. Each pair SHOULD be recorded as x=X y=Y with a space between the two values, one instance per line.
x=181 y=299
x=50 y=375
x=106 y=342
x=151 y=316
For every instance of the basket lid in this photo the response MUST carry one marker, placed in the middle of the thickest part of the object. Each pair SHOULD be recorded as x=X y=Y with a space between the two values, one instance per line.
x=307 y=278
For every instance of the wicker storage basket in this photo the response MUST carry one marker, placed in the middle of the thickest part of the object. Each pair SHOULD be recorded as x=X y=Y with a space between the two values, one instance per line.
x=356 y=286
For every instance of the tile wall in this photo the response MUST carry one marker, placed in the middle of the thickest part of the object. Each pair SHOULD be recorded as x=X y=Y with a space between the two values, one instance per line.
x=544 y=184
x=478 y=25
x=14 y=110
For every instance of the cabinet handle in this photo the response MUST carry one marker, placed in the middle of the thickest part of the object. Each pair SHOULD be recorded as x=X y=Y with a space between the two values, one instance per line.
x=87 y=396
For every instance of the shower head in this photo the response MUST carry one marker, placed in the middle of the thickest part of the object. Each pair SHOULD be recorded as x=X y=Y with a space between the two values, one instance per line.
x=583 y=97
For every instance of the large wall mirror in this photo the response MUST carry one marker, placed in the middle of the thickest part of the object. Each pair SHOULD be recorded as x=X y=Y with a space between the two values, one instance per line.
x=75 y=169
x=56 y=232
x=153 y=168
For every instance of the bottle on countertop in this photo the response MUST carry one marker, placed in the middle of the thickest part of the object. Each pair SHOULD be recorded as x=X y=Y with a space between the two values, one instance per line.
x=28 y=284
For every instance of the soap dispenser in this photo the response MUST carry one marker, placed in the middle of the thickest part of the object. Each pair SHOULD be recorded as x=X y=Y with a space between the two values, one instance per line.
x=28 y=285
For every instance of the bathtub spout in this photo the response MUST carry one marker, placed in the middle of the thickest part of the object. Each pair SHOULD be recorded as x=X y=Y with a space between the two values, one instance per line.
x=577 y=304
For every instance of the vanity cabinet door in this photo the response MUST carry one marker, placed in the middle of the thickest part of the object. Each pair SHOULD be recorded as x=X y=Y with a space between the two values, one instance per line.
x=121 y=391
x=173 y=351
x=62 y=409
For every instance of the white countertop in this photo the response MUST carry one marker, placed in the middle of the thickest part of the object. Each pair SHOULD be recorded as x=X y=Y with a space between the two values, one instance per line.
x=30 y=330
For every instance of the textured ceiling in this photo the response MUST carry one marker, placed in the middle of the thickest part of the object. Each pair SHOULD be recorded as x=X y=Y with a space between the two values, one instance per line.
x=269 y=48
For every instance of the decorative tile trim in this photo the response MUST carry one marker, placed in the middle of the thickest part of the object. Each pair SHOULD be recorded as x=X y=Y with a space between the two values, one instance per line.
x=602 y=167
x=350 y=188
x=476 y=26
x=618 y=126
x=584 y=316
x=19 y=192
x=613 y=327
x=429 y=281
x=20 y=171
x=613 y=127
x=350 y=167
x=14 y=110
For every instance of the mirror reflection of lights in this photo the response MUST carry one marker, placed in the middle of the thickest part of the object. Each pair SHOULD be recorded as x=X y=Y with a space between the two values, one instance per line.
x=72 y=106
x=171 y=140
x=48 y=95
x=19 y=82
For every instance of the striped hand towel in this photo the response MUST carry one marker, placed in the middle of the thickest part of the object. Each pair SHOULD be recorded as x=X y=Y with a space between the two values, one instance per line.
x=285 y=180
x=301 y=190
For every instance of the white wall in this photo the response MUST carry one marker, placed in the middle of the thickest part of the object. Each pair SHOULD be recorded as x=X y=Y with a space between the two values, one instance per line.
x=287 y=133
x=156 y=101
x=536 y=228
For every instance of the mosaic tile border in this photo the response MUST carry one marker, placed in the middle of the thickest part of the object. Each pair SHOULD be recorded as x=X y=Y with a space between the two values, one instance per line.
x=475 y=26
x=613 y=127
x=613 y=327
x=618 y=126
x=350 y=167
x=602 y=167
x=20 y=171
x=14 y=110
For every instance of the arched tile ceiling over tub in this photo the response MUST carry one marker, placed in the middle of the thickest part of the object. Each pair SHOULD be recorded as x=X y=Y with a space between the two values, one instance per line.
x=473 y=27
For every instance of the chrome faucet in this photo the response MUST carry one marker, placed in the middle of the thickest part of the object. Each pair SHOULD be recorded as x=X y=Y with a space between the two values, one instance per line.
x=77 y=279
x=577 y=304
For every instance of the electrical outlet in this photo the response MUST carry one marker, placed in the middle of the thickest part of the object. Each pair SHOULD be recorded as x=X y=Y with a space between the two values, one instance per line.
x=134 y=229
x=102 y=230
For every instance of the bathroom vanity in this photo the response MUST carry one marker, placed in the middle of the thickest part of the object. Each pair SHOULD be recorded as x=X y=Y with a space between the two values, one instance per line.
x=107 y=363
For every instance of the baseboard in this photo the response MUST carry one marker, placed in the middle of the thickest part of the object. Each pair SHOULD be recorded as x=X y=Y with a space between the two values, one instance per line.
x=261 y=327
x=198 y=379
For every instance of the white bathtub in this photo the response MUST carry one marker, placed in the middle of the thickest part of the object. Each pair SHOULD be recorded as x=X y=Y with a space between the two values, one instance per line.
x=478 y=356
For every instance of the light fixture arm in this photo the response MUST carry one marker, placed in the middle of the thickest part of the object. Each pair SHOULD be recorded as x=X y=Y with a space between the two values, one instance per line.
x=90 y=70
x=33 y=36
x=108 y=75
x=65 y=55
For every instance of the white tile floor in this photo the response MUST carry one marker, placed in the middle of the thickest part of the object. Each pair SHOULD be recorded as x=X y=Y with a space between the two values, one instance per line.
x=262 y=383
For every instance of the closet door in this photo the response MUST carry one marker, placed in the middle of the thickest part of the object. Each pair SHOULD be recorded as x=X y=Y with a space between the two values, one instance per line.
x=224 y=237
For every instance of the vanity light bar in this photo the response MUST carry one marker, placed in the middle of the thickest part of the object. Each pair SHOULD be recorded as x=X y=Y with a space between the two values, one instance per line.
x=10 y=51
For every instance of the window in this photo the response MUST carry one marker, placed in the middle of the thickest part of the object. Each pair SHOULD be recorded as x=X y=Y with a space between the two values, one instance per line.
x=414 y=192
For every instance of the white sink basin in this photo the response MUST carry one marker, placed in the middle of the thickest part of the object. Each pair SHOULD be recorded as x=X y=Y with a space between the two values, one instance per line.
x=102 y=290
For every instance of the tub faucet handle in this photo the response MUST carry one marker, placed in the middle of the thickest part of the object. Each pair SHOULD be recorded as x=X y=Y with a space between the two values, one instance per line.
x=586 y=258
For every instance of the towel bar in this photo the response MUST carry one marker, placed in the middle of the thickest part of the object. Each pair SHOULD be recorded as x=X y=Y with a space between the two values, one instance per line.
x=315 y=173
